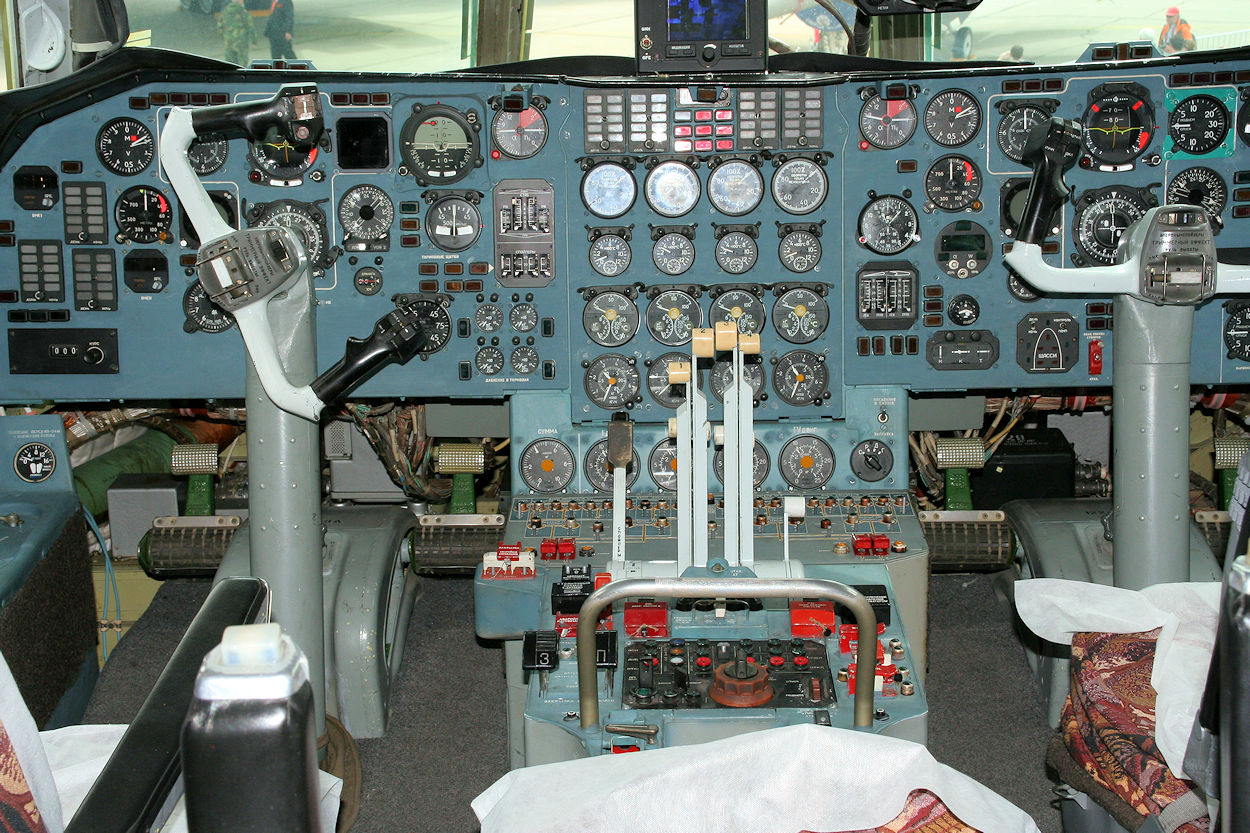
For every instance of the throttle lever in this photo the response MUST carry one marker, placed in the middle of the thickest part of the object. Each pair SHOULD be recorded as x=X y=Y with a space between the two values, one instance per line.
x=1051 y=149
x=396 y=338
x=293 y=110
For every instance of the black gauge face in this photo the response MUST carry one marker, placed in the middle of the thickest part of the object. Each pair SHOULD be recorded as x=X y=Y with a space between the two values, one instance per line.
x=609 y=190
x=1199 y=124
x=740 y=307
x=519 y=135
x=366 y=213
x=612 y=382
x=1013 y=197
x=952 y=118
x=760 y=464
x=523 y=317
x=800 y=377
x=524 y=360
x=1020 y=290
x=953 y=183
x=1118 y=127
x=887 y=124
x=723 y=375
x=489 y=360
x=806 y=462
x=434 y=319
x=610 y=255
x=871 y=461
x=34 y=462
x=672 y=316
x=1237 y=334
x=279 y=158
x=201 y=313
x=799 y=251
x=1014 y=129
x=610 y=319
x=488 y=318
x=662 y=465
x=800 y=315
x=735 y=188
x=963 y=310
x=305 y=220
x=1199 y=186
x=547 y=466
x=888 y=225
x=667 y=394
x=367 y=280
x=208 y=154
x=144 y=215
x=673 y=253
x=439 y=145
x=453 y=224
x=672 y=189
x=1101 y=220
x=125 y=146
x=800 y=186
x=736 y=252
x=599 y=474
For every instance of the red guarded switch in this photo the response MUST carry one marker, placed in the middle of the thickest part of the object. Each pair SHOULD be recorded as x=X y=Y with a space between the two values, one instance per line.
x=1095 y=358
x=811 y=619
x=646 y=620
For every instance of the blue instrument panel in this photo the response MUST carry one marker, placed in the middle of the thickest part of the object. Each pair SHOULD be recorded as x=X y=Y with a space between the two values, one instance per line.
x=570 y=232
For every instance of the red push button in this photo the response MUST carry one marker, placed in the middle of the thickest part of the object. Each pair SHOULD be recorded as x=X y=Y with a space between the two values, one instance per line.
x=1095 y=358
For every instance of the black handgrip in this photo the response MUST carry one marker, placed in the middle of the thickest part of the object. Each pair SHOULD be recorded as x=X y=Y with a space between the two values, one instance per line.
x=396 y=338
x=1051 y=149
x=295 y=110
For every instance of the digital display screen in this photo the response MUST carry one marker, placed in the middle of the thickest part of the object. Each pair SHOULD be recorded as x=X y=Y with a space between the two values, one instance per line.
x=364 y=143
x=963 y=243
x=707 y=21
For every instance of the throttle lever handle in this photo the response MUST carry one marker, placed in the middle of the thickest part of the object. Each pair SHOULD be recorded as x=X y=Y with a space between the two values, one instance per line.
x=294 y=110
x=1052 y=149
x=396 y=338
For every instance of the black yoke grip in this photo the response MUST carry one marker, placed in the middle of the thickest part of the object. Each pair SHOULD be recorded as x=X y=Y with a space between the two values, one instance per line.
x=396 y=338
x=1052 y=149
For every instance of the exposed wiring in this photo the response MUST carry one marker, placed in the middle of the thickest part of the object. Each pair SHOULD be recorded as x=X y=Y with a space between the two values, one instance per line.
x=110 y=580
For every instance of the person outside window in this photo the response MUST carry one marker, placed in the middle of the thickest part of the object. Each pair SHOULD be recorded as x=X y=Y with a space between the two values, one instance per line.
x=280 y=28
x=237 y=32
x=1176 y=35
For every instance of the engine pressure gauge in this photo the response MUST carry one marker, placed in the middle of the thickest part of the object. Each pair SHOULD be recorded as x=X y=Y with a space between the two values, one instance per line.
x=1102 y=218
x=366 y=213
x=806 y=462
x=1014 y=129
x=673 y=253
x=609 y=190
x=871 y=461
x=519 y=135
x=952 y=118
x=143 y=215
x=888 y=225
x=547 y=466
x=610 y=255
x=799 y=186
x=34 y=462
x=1199 y=186
x=672 y=188
x=439 y=144
x=662 y=465
x=523 y=317
x=599 y=475
x=125 y=146
x=800 y=377
x=800 y=315
x=887 y=124
x=488 y=318
x=610 y=319
x=524 y=360
x=953 y=183
x=740 y=307
x=672 y=317
x=612 y=381
x=723 y=375
x=760 y=464
x=488 y=360
x=207 y=154
x=1199 y=124
x=663 y=391
x=453 y=223
x=736 y=252
x=799 y=251
x=735 y=188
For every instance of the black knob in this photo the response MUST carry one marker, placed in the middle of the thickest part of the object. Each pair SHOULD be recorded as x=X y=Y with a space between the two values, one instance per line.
x=709 y=53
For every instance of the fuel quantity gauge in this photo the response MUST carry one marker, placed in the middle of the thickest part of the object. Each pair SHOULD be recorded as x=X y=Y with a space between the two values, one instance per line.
x=547 y=466
x=806 y=462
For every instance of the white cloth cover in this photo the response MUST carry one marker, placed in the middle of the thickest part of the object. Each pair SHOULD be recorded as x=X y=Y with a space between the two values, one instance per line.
x=24 y=735
x=783 y=780
x=1186 y=613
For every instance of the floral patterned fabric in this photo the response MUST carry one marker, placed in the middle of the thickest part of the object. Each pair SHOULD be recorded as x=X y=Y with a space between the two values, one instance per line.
x=924 y=812
x=18 y=813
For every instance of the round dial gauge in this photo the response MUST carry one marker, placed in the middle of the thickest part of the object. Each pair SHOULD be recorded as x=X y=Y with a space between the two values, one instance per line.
x=1118 y=126
x=432 y=315
x=952 y=118
x=1102 y=219
x=800 y=377
x=279 y=158
x=1019 y=289
x=610 y=255
x=201 y=313
x=799 y=251
x=760 y=464
x=610 y=319
x=305 y=220
x=34 y=462
x=662 y=391
x=672 y=316
x=612 y=381
x=799 y=186
x=887 y=124
x=366 y=213
x=1237 y=334
x=736 y=252
x=453 y=224
x=662 y=465
x=125 y=146
x=489 y=360
x=367 y=280
x=547 y=466
x=1014 y=129
x=488 y=318
x=800 y=315
x=888 y=225
x=963 y=310
x=806 y=462
x=672 y=188
x=523 y=317
x=953 y=183
x=609 y=190
x=1199 y=124
x=723 y=376
x=735 y=188
x=871 y=461
x=143 y=215
x=1199 y=186
x=524 y=360
x=599 y=474
x=519 y=135
x=439 y=144
x=673 y=253
x=208 y=154
x=741 y=307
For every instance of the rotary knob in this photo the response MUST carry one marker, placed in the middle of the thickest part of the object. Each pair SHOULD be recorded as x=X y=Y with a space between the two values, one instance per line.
x=741 y=684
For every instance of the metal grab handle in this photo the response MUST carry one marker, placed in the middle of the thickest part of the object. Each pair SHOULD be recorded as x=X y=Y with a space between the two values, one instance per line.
x=766 y=588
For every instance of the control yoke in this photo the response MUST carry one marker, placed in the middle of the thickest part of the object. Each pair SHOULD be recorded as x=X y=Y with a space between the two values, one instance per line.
x=244 y=270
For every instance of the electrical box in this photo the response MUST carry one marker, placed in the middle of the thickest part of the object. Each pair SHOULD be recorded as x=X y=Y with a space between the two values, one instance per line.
x=1033 y=463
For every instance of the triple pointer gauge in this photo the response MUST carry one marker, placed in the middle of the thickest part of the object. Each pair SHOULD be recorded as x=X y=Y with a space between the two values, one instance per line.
x=723 y=376
x=610 y=319
x=672 y=317
x=740 y=307
x=666 y=393
x=612 y=381
x=439 y=144
x=800 y=377
x=800 y=315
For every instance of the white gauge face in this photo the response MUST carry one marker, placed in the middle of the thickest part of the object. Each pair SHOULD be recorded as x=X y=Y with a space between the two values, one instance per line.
x=662 y=465
x=672 y=316
x=609 y=190
x=453 y=224
x=800 y=186
x=735 y=188
x=888 y=225
x=610 y=319
x=742 y=308
x=600 y=475
x=673 y=253
x=672 y=189
x=736 y=252
x=610 y=255
x=800 y=315
x=547 y=466
x=612 y=381
x=366 y=213
x=667 y=394
x=806 y=462
x=799 y=251
x=519 y=135
x=723 y=376
x=800 y=377
x=760 y=464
